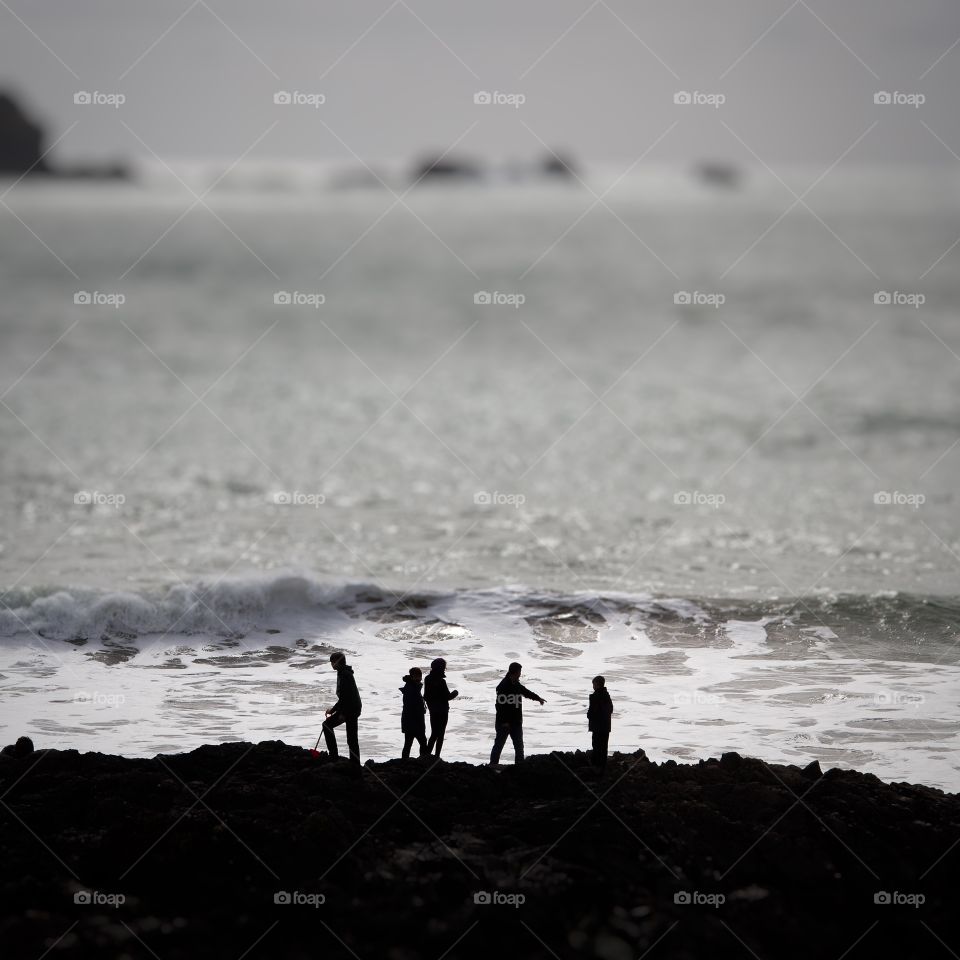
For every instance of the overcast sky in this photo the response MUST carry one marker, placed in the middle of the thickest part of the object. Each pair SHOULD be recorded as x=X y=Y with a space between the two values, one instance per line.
x=399 y=77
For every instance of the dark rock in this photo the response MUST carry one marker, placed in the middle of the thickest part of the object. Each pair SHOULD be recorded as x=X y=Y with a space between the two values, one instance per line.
x=812 y=770
x=446 y=168
x=418 y=859
x=558 y=165
x=21 y=140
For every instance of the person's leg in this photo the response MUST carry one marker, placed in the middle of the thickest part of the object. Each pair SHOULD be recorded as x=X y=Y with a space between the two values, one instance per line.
x=353 y=740
x=433 y=733
x=422 y=740
x=516 y=735
x=604 y=741
x=407 y=740
x=499 y=741
x=440 y=730
x=329 y=736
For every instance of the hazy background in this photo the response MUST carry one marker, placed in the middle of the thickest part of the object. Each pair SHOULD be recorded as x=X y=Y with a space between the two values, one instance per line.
x=399 y=77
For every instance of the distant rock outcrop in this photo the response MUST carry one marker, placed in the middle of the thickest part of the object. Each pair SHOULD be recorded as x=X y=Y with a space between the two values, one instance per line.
x=716 y=173
x=558 y=165
x=446 y=168
x=22 y=145
x=21 y=140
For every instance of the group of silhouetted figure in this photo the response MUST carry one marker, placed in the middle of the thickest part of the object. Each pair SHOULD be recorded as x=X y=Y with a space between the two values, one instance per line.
x=433 y=696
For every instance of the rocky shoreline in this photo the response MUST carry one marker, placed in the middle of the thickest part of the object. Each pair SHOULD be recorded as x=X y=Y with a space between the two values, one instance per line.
x=264 y=851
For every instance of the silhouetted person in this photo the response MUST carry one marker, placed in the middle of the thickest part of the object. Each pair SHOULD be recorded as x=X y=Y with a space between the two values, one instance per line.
x=414 y=709
x=438 y=697
x=17 y=751
x=598 y=721
x=345 y=710
x=509 y=720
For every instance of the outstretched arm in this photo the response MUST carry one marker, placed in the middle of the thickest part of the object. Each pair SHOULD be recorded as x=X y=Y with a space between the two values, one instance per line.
x=530 y=695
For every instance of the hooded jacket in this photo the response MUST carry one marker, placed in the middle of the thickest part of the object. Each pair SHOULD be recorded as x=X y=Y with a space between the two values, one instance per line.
x=600 y=711
x=411 y=719
x=348 y=697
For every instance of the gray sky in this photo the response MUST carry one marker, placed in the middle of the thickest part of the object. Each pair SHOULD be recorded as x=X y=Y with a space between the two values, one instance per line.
x=399 y=77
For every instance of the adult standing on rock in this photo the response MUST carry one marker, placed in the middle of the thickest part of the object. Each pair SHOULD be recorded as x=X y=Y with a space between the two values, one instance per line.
x=509 y=718
x=345 y=710
x=438 y=697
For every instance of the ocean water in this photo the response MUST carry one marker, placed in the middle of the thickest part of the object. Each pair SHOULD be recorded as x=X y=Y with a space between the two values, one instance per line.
x=741 y=510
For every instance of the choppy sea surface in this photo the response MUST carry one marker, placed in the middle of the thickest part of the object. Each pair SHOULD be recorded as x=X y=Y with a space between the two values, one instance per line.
x=740 y=509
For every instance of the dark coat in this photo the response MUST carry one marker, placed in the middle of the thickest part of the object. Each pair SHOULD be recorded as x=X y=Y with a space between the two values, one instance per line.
x=509 y=700
x=348 y=697
x=437 y=693
x=411 y=719
x=600 y=711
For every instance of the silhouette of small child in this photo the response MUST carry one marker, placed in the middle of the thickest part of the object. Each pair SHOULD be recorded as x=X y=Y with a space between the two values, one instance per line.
x=599 y=714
